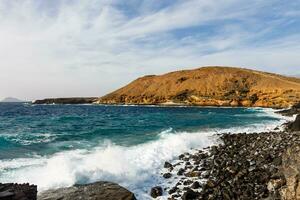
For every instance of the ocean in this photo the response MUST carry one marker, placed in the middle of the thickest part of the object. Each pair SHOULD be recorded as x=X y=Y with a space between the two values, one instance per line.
x=59 y=145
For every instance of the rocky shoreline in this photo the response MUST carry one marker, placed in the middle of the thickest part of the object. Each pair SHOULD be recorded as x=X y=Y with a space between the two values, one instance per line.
x=101 y=190
x=242 y=166
x=71 y=100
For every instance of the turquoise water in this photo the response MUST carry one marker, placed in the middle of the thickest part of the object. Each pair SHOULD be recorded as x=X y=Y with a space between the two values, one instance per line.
x=59 y=145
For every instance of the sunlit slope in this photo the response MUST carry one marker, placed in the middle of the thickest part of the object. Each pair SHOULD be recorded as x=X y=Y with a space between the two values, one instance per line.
x=210 y=86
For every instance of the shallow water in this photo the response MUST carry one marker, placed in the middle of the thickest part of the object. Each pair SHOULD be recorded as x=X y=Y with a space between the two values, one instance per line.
x=59 y=145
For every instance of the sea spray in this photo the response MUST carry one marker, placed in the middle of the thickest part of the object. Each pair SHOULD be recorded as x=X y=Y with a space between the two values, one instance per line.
x=135 y=157
x=136 y=168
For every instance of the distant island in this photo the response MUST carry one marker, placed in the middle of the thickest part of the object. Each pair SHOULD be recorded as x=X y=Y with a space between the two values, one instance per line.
x=70 y=100
x=205 y=86
x=11 y=100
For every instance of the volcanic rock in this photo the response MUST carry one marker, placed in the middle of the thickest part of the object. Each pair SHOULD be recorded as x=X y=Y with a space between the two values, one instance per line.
x=156 y=191
x=295 y=126
x=93 y=191
x=11 y=191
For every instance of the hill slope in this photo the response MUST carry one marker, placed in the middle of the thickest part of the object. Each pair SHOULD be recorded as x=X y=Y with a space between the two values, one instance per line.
x=210 y=86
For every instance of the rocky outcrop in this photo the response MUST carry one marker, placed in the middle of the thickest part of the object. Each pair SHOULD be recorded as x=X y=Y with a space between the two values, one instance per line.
x=294 y=110
x=291 y=171
x=210 y=86
x=93 y=191
x=295 y=125
x=11 y=191
x=75 y=100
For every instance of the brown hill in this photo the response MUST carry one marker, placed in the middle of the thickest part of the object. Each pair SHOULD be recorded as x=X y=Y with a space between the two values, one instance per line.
x=210 y=86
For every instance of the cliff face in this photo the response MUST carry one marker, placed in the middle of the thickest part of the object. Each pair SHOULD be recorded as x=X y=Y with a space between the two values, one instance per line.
x=210 y=86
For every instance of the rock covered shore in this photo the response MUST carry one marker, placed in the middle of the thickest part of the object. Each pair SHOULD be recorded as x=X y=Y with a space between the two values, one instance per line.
x=242 y=166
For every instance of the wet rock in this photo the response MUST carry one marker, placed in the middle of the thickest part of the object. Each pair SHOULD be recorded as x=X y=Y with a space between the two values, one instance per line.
x=93 y=191
x=195 y=185
x=173 y=190
x=175 y=196
x=190 y=195
x=156 y=192
x=295 y=126
x=187 y=182
x=180 y=172
x=11 y=191
x=193 y=174
x=167 y=175
x=168 y=165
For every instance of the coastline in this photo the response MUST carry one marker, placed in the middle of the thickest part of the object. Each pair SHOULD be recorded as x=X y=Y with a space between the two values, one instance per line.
x=197 y=140
x=91 y=101
x=233 y=167
x=179 y=105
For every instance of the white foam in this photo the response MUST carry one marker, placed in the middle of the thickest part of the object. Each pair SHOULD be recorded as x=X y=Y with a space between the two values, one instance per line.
x=29 y=138
x=136 y=168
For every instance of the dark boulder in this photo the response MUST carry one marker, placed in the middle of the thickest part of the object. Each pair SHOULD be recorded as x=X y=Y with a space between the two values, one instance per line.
x=173 y=190
x=295 y=126
x=11 y=191
x=295 y=109
x=168 y=165
x=156 y=191
x=195 y=185
x=190 y=195
x=180 y=172
x=167 y=175
x=93 y=191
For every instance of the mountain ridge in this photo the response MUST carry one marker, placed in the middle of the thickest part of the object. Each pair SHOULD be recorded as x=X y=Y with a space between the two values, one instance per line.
x=210 y=86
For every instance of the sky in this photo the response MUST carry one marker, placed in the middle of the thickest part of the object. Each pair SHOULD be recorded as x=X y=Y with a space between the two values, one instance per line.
x=67 y=48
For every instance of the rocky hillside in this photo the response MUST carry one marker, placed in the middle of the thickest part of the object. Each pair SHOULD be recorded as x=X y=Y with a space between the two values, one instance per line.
x=210 y=86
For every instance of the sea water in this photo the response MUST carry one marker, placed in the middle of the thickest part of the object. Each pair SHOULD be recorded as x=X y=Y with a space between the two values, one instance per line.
x=59 y=145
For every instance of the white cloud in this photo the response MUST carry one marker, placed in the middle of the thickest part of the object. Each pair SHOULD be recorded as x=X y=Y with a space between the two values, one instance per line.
x=88 y=48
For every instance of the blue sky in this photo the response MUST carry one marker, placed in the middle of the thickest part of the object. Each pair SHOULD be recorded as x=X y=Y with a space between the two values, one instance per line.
x=63 y=48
